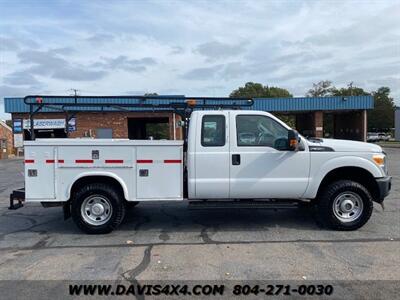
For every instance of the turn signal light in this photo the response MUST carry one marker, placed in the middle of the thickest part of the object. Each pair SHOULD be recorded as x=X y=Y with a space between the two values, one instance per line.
x=293 y=142
x=379 y=159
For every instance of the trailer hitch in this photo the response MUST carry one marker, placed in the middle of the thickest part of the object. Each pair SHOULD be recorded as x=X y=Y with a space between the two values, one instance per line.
x=17 y=199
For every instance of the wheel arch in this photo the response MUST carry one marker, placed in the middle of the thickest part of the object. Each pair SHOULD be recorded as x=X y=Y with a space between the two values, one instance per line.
x=107 y=178
x=354 y=173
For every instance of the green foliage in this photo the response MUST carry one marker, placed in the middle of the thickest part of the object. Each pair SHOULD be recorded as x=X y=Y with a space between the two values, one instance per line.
x=349 y=91
x=287 y=119
x=159 y=131
x=257 y=90
x=323 y=88
x=381 y=118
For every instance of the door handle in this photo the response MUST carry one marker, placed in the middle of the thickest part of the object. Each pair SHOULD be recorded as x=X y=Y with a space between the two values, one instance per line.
x=235 y=159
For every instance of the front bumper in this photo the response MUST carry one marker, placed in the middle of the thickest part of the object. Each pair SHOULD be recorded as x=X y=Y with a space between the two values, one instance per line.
x=384 y=186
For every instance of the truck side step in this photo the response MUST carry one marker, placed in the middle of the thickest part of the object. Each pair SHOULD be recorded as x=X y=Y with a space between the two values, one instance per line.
x=246 y=204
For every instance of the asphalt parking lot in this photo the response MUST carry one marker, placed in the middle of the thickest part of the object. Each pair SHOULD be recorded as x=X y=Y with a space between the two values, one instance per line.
x=170 y=242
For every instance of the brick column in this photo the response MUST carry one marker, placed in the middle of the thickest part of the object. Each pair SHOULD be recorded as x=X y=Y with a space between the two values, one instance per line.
x=319 y=124
x=364 y=125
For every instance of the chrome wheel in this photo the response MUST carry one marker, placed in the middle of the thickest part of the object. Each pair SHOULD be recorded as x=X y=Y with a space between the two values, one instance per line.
x=96 y=210
x=347 y=207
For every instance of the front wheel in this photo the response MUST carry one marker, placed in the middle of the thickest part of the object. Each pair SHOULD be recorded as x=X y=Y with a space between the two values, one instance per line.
x=97 y=208
x=344 y=205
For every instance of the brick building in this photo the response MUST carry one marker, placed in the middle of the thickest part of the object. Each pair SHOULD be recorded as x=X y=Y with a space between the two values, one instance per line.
x=6 y=140
x=132 y=125
x=337 y=117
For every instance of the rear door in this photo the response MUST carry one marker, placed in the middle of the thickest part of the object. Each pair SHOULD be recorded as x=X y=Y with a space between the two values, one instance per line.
x=258 y=168
x=212 y=160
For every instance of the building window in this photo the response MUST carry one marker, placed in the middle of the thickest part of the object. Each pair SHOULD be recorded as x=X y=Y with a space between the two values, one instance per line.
x=213 y=131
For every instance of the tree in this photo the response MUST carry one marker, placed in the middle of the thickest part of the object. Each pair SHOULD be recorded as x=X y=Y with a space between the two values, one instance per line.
x=323 y=88
x=349 y=91
x=381 y=118
x=257 y=90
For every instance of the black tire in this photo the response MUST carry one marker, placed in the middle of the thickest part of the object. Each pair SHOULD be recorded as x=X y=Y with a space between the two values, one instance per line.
x=328 y=216
x=105 y=193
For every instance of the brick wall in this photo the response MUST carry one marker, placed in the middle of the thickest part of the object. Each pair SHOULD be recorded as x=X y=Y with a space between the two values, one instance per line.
x=88 y=122
x=7 y=134
x=319 y=124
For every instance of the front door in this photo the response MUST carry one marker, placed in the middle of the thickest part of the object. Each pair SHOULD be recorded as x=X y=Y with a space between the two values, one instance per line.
x=258 y=168
x=212 y=157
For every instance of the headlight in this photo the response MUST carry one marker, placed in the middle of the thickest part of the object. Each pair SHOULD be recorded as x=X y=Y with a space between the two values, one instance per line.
x=380 y=160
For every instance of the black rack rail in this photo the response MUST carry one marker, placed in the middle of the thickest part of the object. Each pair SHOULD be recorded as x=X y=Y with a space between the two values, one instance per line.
x=181 y=105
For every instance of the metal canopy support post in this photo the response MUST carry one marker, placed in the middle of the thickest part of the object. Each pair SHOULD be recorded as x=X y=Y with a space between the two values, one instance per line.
x=32 y=113
x=66 y=123
x=31 y=122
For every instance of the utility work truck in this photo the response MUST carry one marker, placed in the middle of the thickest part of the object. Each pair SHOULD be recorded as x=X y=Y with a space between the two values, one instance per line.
x=229 y=154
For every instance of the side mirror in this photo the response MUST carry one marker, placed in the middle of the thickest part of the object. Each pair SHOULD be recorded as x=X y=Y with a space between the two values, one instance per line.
x=293 y=139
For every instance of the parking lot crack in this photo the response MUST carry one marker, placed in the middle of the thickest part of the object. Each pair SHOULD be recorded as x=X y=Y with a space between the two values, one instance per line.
x=131 y=275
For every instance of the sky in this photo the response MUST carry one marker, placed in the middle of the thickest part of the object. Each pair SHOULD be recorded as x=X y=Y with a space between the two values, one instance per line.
x=195 y=48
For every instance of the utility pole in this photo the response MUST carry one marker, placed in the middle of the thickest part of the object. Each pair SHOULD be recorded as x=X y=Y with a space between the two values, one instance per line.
x=351 y=88
x=75 y=94
x=67 y=117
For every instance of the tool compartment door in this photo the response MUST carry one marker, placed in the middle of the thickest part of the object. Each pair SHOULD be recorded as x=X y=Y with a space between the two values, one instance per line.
x=159 y=172
x=39 y=172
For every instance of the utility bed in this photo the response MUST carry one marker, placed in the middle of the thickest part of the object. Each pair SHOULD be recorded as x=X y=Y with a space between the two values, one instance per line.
x=146 y=169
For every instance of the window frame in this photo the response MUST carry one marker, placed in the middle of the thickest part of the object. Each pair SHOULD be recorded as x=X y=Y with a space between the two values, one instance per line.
x=202 y=130
x=251 y=115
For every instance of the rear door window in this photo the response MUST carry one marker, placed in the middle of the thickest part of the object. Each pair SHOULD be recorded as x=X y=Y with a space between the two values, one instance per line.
x=213 y=131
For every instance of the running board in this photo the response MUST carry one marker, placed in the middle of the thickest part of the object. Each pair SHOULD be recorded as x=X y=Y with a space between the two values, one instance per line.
x=246 y=204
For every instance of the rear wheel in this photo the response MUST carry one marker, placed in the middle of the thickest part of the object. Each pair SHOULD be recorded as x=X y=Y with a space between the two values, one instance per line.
x=344 y=205
x=97 y=208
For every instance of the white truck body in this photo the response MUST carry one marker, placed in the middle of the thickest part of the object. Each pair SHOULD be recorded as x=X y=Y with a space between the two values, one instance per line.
x=231 y=154
x=61 y=162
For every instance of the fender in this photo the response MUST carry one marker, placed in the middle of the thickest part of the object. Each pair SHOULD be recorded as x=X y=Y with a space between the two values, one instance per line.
x=98 y=173
x=318 y=174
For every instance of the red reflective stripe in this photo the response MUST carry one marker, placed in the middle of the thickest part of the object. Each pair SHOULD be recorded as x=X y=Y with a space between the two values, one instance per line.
x=114 y=161
x=144 y=161
x=172 y=161
x=84 y=161
x=52 y=161
x=29 y=161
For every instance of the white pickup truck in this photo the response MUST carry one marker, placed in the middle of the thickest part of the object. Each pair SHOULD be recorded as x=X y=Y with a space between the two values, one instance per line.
x=231 y=155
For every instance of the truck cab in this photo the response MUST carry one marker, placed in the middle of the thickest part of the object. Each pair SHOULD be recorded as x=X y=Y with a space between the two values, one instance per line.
x=236 y=154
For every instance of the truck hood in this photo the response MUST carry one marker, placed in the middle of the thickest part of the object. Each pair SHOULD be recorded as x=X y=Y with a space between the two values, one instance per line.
x=344 y=145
